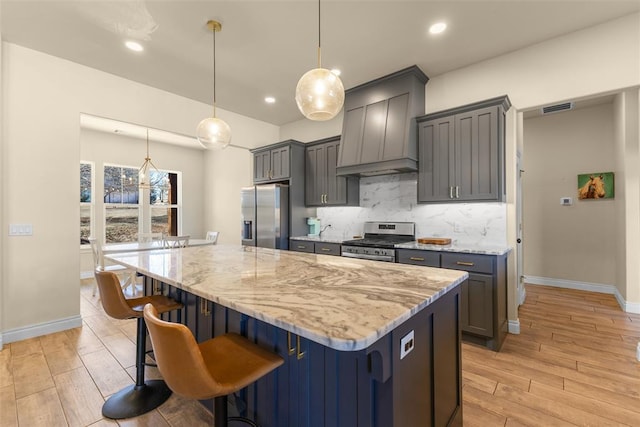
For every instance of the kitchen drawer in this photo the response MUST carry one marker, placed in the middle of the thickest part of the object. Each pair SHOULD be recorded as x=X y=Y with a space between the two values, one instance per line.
x=468 y=262
x=301 y=246
x=328 y=248
x=425 y=258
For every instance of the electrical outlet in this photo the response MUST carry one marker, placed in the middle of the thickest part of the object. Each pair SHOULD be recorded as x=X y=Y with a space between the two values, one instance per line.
x=407 y=344
x=457 y=228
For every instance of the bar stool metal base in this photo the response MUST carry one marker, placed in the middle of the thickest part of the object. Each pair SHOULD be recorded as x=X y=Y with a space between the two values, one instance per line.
x=136 y=400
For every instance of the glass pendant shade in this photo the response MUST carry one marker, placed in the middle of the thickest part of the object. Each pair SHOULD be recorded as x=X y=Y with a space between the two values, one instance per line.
x=319 y=94
x=214 y=133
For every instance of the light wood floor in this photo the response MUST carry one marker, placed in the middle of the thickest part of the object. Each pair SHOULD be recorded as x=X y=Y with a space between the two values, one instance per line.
x=573 y=364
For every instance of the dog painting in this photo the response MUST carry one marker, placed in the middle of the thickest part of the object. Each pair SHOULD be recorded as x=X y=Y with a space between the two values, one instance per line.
x=595 y=185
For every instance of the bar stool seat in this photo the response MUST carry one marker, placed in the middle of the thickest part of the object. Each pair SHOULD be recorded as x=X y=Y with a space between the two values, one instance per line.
x=212 y=369
x=144 y=395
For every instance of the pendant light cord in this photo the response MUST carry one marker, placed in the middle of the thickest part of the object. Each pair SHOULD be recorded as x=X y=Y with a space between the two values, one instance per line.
x=214 y=72
x=319 y=54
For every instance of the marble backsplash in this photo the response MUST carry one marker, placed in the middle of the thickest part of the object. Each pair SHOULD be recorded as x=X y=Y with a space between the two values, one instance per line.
x=394 y=198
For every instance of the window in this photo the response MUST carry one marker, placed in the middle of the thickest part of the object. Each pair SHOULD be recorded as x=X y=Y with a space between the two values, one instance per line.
x=124 y=213
x=164 y=203
x=86 y=201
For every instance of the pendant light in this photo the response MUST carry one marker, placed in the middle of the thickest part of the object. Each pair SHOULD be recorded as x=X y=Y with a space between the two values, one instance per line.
x=144 y=173
x=319 y=93
x=213 y=132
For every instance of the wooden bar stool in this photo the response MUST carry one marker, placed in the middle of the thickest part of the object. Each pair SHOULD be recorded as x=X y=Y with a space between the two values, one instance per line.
x=144 y=395
x=212 y=369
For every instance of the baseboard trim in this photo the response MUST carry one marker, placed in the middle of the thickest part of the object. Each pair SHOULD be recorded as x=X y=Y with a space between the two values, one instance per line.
x=514 y=326
x=86 y=275
x=32 y=331
x=628 y=307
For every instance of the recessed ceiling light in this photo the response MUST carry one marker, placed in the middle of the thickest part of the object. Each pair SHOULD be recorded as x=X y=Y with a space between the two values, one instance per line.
x=269 y=100
x=336 y=71
x=134 y=46
x=437 y=28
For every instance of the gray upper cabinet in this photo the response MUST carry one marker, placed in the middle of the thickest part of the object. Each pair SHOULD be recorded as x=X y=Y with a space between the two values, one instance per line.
x=322 y=186
x=272 y=164
x=378 y=131
x=461 y=153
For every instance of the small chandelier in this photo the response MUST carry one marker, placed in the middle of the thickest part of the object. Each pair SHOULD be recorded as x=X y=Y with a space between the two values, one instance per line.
x=144 y=173
x=319 y=93
x=213 y=132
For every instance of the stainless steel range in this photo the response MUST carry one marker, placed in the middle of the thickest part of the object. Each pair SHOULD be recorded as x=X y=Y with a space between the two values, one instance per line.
x=379 y=240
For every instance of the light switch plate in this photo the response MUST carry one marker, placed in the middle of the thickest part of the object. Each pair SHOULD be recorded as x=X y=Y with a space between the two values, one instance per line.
x=407 y=344
x=20 y=229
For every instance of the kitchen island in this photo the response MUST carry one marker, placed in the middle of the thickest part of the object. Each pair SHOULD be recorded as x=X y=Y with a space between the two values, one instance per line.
x=364 y=343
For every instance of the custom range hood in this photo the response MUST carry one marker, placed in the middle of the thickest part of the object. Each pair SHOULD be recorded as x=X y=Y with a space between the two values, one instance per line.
x=378 y=129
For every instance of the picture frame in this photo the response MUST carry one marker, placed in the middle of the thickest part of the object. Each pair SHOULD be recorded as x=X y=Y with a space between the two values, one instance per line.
x=596 y=186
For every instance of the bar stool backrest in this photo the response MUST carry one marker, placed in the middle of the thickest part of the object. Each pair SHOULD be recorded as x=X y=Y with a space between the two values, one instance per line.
x=179 y=359
x=111 y=296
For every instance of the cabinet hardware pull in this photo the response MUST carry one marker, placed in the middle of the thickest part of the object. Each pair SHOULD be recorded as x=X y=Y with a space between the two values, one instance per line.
x=416 y=258
x=470 y=264
x=203 y=307
x=451 y=192
x=302 y=247
x=300 y=353
x=290 y=349
x=326 y=249
x=457 y=192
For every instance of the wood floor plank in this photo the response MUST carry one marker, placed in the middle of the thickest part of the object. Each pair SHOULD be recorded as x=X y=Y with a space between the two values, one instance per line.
x=101 y=325
x=63 y=359
x=499 y=375
x=106 y=372
x=104 y=423
x=26 y=347
x=511 y=409
x=183 y=412
x=80 y=397
x=6 y=375
x=476 y=416
x=31 y=374
x=41 y=409
x=488 y=385
x=121 y=347
x=8 y=409
x=598 y=344
x=630 y=378
x=84 y=340
x=588 y=404
x=512 y=347
x=593 y=391
x=551 y=407
x=150 y=419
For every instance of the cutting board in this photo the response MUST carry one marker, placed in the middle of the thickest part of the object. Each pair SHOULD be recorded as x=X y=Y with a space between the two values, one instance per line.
x=434 y=240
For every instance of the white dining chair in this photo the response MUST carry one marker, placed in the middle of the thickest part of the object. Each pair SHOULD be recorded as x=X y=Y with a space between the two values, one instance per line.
x=176 y=241
x=129 y=279
x=213 y=236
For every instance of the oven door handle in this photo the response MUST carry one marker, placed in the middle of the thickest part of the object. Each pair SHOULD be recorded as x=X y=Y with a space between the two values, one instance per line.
x=371 y=257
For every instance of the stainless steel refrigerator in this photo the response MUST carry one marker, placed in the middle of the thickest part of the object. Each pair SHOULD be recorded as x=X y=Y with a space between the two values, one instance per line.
x=265 y=216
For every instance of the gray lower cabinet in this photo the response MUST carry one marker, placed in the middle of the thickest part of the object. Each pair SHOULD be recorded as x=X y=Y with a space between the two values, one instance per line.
x=323 y=187
x=483 y=306
x=325 y=248
x=461 y=153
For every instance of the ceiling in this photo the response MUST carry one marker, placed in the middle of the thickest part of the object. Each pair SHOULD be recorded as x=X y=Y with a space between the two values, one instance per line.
x=266 y=46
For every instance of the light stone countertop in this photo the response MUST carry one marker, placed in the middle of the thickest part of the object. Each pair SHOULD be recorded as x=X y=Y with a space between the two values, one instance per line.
x=454 y=247
x=342 y=303
x=322 y=239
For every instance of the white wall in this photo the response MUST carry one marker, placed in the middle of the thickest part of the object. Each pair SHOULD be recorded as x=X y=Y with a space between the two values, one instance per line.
x=599 y=59
x=43 y=98
x=627 y=150
x=578 y=242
